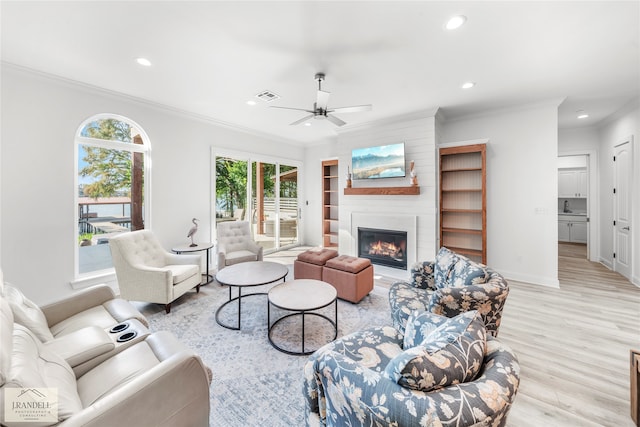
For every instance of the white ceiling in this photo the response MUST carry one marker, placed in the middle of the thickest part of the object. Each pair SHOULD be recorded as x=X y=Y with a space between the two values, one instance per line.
x=210 y=57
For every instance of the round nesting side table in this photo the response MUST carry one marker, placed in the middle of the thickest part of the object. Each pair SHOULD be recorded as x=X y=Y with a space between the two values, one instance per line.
x=245 y=275
x=302 y=297
x=184 y=249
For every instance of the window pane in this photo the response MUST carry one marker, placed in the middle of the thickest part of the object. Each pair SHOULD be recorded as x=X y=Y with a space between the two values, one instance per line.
x=231 y=189
x=288 y=205
x=110 y=130
x=263 y=196
x=110 y=201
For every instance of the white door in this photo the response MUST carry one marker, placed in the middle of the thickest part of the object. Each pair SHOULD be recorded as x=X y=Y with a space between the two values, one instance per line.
x=622 y=208
x=579 y=232
x=582 y=183
x=567 y=183
x=563 y=231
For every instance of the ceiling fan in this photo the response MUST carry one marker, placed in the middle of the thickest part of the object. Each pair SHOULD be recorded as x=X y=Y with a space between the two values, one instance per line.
x=320 y=109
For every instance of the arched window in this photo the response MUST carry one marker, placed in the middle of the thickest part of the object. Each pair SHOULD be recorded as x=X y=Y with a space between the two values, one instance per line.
x=112 y=158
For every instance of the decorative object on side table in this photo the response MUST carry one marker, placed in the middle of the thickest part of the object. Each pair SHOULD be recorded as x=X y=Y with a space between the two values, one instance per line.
x=412 y=174
x=192 y=231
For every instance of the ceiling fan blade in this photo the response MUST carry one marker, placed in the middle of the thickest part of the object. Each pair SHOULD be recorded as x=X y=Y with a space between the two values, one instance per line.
x=302 y=120
x=354 y=109
x=336 y=121
x=289 y=108
x=322 y=99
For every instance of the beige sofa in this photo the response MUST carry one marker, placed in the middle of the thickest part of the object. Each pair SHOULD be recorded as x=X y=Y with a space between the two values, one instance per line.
x=94 y=306
x=101 y=379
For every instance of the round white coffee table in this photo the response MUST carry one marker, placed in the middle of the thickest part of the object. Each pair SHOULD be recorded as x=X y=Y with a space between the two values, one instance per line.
x=247 y=274
x=302 y=297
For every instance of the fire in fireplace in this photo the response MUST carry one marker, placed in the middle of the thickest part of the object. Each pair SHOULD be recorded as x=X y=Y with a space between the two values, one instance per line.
x=383 y=247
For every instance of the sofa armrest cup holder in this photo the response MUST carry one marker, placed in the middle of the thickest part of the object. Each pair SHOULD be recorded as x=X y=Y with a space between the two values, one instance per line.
x=119 y=327
x=127 y=336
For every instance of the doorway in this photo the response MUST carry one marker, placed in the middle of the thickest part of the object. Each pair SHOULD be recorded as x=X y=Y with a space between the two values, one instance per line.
x=574 y=205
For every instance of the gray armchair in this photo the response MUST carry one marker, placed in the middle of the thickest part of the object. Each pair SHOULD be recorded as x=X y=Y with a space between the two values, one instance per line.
x=147 y=272
x=450 y=285
x=235 y=244
x=357 y=380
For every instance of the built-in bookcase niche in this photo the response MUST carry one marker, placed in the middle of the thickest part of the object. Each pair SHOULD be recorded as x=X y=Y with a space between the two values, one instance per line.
x=330 y=209
x=463 y=212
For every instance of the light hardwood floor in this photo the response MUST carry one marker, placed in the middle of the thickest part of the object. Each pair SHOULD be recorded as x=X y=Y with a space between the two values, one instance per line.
x=573 y=346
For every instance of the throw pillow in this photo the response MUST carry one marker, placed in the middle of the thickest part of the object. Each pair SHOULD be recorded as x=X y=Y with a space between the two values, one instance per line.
x=420 y=324
x=465 y=272
x=451 y=354
x=445 y=259
x=27 y=314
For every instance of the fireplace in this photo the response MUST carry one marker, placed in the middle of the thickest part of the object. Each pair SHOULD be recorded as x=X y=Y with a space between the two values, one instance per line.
x=383 y=247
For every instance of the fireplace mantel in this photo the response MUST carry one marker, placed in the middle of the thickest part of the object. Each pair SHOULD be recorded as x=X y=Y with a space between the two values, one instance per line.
x=411 y=190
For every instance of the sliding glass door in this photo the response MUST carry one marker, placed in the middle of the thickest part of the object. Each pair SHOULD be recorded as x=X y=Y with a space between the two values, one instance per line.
x=288 y=206
x=263 y=202
x=265 y=193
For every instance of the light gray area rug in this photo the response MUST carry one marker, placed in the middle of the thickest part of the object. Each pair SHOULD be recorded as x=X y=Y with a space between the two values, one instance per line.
x=253 y=383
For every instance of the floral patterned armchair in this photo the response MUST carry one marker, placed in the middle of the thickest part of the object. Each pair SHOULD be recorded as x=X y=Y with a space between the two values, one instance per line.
x=356 y=381
x=450 y=285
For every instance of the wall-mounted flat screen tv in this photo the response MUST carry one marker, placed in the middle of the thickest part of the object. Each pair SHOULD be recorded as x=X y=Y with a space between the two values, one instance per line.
x=384 y=161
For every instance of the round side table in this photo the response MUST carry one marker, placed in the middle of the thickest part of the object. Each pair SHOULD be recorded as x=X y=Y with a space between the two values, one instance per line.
x=206 y=246
x=301 y=297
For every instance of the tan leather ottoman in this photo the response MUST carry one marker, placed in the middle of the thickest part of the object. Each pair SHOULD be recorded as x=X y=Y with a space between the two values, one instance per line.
x=309 y=263
x=352 y=277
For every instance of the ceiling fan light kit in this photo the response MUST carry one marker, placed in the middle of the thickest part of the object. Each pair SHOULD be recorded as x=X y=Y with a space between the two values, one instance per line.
x=320 y=109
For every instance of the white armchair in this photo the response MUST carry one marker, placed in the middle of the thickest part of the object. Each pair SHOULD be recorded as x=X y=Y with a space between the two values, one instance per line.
x=147 y=272
x=235 y=244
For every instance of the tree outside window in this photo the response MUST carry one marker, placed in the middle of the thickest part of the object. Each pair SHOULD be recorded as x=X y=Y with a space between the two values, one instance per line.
x=110 y=188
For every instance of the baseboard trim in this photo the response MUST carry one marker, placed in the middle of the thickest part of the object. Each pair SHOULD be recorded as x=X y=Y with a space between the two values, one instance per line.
x=85 y=282
x=550 y=282
x=607 y=263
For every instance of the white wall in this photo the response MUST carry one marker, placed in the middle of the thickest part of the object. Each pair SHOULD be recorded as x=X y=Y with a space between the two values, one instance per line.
x=418 y=134
x=578 y=139
x=40 y=116
x=522 y=188
x=621 y=125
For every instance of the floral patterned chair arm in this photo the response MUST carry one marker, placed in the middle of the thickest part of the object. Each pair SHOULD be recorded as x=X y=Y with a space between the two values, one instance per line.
x=488 y=298
x=422 y=275
x=359 y=396
x=374 y=346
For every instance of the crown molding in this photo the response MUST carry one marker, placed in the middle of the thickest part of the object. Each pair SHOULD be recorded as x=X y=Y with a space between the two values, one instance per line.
x=416 y=115
x=148 y=103
x=552 y=102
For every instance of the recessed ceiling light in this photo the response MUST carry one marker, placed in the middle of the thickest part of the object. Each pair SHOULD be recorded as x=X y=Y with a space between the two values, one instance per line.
x=582 y=114
x=468 y=85
x=251 y=102
x=455 y=22
x=307 y=124
x=144 y=62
